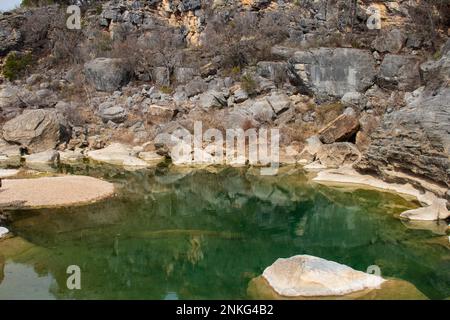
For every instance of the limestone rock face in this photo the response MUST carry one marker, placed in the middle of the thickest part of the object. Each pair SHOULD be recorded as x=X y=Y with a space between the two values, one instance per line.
x=414 y=139
x=436 y=211
x=310 y=276
x=106 y=74
x=10 y=37
x=117 y=154
x=391 y=41
x=38 y=130
x=338 y=154
x=437 y=70
x=334 y=72
x=340 y=129
x=400 y=72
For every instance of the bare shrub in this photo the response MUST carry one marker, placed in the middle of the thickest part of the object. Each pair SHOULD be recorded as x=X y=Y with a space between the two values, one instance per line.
x=243 y=39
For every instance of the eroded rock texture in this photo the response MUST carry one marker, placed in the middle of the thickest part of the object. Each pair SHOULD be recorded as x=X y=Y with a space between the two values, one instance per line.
x=414 y=139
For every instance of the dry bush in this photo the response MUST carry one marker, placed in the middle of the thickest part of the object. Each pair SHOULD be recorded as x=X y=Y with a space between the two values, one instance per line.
x=430 y=16
x=243 y=39
x=35 y=28
x=66 y=44
x=161 y=47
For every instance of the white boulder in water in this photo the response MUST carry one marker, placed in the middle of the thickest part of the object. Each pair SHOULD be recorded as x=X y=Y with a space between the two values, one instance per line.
x=3 y=232
x=310 y=276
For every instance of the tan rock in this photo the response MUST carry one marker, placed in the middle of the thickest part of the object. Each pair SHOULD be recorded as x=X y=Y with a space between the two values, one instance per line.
x=53 y=191
x=340 y=129
x=437 y=210
x=338 y=154
x=309 y=276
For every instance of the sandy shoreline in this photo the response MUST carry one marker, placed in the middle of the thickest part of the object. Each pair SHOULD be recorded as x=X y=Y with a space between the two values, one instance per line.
x=53 y=192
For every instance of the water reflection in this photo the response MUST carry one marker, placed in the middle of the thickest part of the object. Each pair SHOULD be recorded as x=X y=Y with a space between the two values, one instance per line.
x=184 y=233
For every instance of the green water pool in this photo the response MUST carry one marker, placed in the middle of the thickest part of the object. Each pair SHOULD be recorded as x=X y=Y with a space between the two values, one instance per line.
x=174 y=233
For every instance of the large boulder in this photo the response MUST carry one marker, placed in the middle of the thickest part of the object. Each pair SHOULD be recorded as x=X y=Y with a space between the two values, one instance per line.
x=333 y=71
x=310 y=276
x=400 y=72
x=413 y=140
x=107 y=74
x=116 y=114
x=37 y=130
x=338 y=154
x=279 y=102
x=391 y=41
x=340 y=129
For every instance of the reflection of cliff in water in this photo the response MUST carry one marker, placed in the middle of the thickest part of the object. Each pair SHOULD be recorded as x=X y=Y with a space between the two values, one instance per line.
x=203 y=234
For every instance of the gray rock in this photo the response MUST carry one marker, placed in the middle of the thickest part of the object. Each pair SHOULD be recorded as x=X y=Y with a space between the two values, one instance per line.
x=189 y=5
x=261 y=110
x=279 y=102
x=184 y=75
x=160 y=76
x=195 y=87
x=240 y=95
x=37 y=130
x=391 y=41
x=212 y=99
x=414 y=140
x=106 y=74
x=116 y=114
x=355 y=100
x=333 y=72
x=272 y=70
x=10 y=37
x=400 y=72
x=437 y=71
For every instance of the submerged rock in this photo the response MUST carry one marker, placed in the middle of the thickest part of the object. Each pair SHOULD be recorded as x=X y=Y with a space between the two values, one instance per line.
x=392 y=289
x=310 y=276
